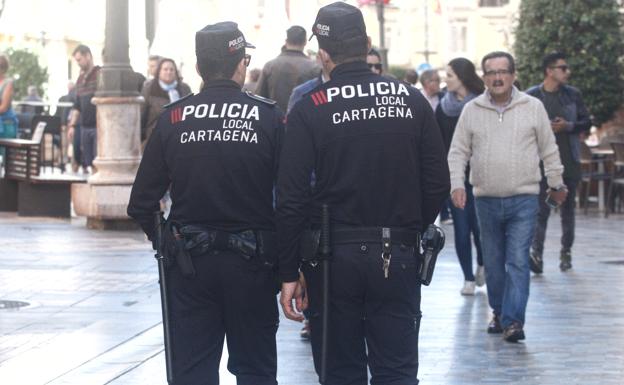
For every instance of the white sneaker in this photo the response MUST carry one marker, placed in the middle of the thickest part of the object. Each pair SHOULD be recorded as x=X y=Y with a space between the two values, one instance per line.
x=480 y=276
x=469 y=288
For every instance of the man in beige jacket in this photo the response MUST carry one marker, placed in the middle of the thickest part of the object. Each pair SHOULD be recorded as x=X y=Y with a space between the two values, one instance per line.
x=503 y=134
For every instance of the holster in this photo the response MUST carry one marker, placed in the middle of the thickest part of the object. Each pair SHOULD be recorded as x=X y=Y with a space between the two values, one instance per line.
x=175 y=249
x=266 y=247
x=432 y=243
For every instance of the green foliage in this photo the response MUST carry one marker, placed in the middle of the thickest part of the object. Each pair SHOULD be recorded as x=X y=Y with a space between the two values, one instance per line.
x=588 y=32
x=25 y=69
x=397 y=71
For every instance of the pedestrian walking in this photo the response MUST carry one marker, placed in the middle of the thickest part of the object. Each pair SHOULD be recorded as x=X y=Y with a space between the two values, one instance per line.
x=379 y=162
x=289 y=69
x=217 y=151
x=82 y=128
x=166 y=88
x=374 y=62
x=463 y=85
x=504 y=133
x=430 y=82
x=568 y=119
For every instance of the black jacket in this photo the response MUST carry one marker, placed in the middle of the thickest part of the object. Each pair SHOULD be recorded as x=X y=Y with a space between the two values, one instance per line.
x=218 y=150
x=447 y=126
x=574 y=110
x=377 y=154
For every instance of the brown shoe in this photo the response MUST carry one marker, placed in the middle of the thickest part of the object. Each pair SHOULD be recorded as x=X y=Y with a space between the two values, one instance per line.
x=494 y=327
x=513 y=332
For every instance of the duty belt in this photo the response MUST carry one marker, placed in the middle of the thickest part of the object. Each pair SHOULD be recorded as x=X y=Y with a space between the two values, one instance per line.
x=342 y=235
x=346 y=235
x=200 y=240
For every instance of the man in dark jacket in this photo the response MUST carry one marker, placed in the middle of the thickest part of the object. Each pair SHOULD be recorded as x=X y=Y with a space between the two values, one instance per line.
x=379 y=163
x=291 y=68
x=569 y=118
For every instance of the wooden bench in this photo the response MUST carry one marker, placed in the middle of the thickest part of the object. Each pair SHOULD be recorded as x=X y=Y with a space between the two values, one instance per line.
x=34 y=187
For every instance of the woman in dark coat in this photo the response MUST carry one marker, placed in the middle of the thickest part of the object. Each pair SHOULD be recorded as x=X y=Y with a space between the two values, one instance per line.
x=167 y=87
x=463 y=84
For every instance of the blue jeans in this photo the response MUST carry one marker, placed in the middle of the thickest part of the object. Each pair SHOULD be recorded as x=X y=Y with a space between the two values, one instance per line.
x=567 y=217
x=507 y=228
x=464 y=224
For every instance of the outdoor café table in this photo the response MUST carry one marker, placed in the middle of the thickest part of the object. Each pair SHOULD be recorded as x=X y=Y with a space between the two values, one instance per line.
x=602 y=155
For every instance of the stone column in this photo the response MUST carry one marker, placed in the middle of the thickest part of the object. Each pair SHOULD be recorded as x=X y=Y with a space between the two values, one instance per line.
x=105 y=197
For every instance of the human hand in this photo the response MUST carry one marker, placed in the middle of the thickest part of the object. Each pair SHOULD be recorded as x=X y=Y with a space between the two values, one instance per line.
x=559 y=195
x=294 y=290
x=70 y=133
x=459 y=198
x=558 y=124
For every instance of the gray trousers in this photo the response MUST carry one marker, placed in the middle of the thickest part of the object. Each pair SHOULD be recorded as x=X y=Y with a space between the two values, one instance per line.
x=567 y=217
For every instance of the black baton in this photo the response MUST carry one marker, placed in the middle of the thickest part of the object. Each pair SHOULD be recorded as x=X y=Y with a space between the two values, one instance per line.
x=164 y=299
x=325 y=255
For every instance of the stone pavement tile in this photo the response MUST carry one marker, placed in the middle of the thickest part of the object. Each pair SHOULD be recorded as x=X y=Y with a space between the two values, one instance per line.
x=96 y=316
x=68 y=351
x=117 y=361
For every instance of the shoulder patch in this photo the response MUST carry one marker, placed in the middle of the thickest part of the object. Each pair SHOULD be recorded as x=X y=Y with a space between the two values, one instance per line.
x=179 y=100
x=261 y=99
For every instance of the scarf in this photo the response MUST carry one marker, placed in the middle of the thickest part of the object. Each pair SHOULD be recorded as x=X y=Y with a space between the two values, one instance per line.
x=170 y=89
x=451 y=106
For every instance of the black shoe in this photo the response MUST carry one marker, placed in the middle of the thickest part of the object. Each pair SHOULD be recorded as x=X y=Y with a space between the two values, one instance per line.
x=494 y=327
x=513 y=332
x=536 y=263
x=566 y=260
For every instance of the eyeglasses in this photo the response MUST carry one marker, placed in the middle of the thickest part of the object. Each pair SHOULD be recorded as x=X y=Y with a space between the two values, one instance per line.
x=247 y=58
x=562 y=67
x=376 y=66
x=493 y=73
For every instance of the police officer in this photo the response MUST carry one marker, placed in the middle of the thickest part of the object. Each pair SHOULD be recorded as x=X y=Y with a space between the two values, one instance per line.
x=217 y=151
x=380 y=166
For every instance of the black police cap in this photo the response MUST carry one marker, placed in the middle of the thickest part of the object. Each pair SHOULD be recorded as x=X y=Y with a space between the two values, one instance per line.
x=338 y=22
x=220 y=41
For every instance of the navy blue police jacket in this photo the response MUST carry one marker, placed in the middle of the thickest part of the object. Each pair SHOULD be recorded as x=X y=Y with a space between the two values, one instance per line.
x=377 y=153
x=218 y=152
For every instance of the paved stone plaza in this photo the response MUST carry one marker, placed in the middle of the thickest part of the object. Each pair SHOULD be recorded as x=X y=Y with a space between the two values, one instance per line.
x=94 y=315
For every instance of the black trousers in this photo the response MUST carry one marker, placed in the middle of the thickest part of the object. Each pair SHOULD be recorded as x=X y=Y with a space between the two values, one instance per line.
x=229 y=296
x=373 y=320
x=567 y=217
